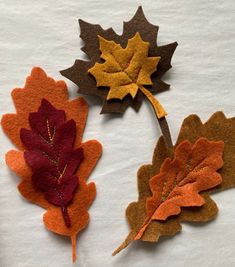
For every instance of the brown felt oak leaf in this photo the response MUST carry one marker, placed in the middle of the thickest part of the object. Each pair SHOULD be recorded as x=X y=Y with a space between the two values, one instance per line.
x=161 y=207
x=137 y=27
x=51 y=161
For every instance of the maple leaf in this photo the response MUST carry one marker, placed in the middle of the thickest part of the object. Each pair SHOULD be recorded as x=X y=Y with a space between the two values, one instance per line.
x=51 y=156
x=61 y=124
x=126 y=70
x=217 y=128
x=90 y=33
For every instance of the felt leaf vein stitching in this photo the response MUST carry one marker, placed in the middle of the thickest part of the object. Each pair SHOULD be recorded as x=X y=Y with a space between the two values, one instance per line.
x=78 y=73
x=27 y=100
x=129 y=73
x=174 y=187
x=57 y=180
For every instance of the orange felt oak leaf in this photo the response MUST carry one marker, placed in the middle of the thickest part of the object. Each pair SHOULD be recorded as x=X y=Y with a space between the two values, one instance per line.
x=127 y=70
x=52 y=137
x=169 y=187
x=193 y=169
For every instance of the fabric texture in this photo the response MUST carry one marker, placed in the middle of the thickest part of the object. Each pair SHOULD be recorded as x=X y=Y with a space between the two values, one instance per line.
x=217 y=128
x=202 y=81
x=27 y=100
x=127 y=70
x=179 y=182
x=90 y=33
x=51 y=156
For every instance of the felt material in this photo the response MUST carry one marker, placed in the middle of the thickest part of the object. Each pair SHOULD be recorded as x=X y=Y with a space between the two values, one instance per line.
x=193 y=169
x=126 y=70
x=39 y=86
x=217 y=128
x=78 y=73
x=51 y=156
x=165 y=132
x=27 y=100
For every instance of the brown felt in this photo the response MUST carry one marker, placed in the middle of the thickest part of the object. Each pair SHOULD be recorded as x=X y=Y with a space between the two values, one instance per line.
x=192 y=170
x=165 y=132
x=78 y=73
x=217 y=128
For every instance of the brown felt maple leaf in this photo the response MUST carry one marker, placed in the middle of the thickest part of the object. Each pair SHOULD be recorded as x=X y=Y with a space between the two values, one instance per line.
x=53 y=147
x=90 y=33
x=218 y=128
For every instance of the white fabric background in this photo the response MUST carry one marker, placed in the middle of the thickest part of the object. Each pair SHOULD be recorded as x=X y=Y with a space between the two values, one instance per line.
x=45 y=33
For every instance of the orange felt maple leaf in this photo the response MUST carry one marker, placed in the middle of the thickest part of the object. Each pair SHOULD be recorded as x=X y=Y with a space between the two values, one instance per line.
x=27 y=100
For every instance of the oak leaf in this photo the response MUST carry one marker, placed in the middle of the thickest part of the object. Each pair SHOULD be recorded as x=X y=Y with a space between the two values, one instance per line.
x=51 y=156
x=27 y=100
x=217 y=128
x=193 y=169
x=90 y=33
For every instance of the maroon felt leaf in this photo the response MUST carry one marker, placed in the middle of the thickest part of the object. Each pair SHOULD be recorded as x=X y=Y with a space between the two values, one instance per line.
x=50 y=154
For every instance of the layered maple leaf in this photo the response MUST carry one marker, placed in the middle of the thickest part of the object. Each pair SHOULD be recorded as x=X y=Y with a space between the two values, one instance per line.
x=161 y=57
x=176 y=186
x=51 y=161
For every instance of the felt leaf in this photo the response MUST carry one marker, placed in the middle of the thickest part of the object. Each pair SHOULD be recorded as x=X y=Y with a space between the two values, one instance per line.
x=51 y=156
x=126 y=70
x=90 y=33
x=217 y=128
x=56 y=126
x=193 y=169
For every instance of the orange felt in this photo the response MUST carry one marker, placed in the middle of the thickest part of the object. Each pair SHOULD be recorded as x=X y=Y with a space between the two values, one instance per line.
x=27 y=100
x=16 y=162
x=193 y=169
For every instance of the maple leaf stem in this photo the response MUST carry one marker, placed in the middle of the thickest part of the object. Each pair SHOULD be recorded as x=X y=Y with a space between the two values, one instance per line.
x=158 y=108
x=160 y=114
x=165 y=132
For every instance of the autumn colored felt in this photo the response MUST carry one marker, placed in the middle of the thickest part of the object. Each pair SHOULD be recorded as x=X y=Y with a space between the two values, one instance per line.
x=53 y=163
x=126 y=70
x=91 y=34
x=193 y=169
x=51 y=156
x=47 y=130
x=217 y=130
x=133 y=67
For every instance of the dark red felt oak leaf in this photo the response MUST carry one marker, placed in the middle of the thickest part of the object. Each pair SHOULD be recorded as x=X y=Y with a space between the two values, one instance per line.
x=78 y=73
x=51 y=156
